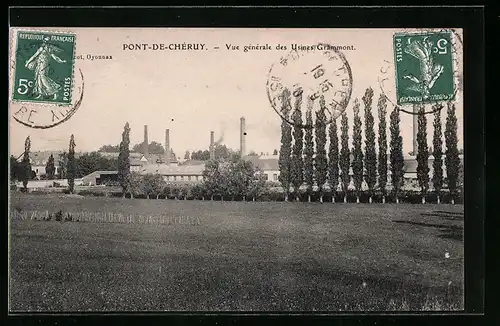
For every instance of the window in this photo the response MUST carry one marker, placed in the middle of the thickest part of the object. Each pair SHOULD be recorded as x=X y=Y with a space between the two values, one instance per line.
x=175 y=177
x=275 y=177
x=189 y=178
x=266 y=177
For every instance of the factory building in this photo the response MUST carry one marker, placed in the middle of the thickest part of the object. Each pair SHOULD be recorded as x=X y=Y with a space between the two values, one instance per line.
x=167 y=164
x=191 y=170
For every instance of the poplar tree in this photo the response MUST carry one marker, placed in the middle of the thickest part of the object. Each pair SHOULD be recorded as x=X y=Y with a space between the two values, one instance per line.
x=382 y=145
x=357 y=160
x=437 y=153
x=25 y=164
x=320 y=160
x=422 y=153
x=297 y=173
x=71 y=169
x=370 y=153
x=63 y=165
x=124 y=160
x=50 y=168
x=396 y=154
x=284 y=159
x=452 y=159
x=345 y=155
x=333 y=158
x=309 y=150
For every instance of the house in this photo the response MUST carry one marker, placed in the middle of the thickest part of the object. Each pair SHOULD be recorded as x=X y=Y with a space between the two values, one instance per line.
x=193 y=162
x=267 y=164
x=137 y=163
x=97 y=178
x=410 y=166
x=175 y=173
x=39 y=161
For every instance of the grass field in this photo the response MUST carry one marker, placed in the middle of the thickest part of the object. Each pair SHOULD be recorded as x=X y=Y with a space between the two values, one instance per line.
x=240 y=256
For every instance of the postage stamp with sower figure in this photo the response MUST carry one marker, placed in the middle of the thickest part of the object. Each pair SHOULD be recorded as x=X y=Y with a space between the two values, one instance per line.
x=424 y=67
x=44 y=64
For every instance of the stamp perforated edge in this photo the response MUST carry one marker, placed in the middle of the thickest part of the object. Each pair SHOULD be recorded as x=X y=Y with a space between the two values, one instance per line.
x=457 y=40
x=12 y=58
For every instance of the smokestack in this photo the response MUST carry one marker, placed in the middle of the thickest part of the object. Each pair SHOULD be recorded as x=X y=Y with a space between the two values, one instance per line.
x=212 y=145
x=145 y=145
x=167 y=146
x=415 y=131
x=242 y=137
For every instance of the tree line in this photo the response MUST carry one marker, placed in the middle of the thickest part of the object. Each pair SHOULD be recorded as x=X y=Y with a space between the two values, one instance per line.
x=303 y=159
x=153 y=148
x=221 y=151
x=85 y=164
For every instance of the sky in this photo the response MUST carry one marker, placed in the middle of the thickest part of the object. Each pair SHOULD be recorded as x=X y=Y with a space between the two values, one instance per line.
x=195 y=92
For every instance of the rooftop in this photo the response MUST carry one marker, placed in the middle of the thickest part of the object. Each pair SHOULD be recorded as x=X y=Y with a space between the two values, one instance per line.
x=164 y=169
x=265 y=164
x=193 y=162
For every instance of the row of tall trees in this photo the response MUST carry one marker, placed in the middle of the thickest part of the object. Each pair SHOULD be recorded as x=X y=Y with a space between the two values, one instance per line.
x=303 y=159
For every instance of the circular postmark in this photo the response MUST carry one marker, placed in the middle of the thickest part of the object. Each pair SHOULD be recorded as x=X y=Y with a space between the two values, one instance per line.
x=426 y=70
x=44 y=116
x=319 y=74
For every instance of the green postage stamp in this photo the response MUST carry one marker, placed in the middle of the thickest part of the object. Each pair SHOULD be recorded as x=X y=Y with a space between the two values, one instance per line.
x=44 y=63
x=424 y=67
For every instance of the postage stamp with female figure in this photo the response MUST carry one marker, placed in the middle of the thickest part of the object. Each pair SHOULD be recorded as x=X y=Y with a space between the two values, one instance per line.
x=43 y=65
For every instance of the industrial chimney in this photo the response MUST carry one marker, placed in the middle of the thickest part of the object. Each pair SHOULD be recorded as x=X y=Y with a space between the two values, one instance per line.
x=242 y=137
x=415 y=131
x=212 y=145
x=145 y=145
x=167 y=146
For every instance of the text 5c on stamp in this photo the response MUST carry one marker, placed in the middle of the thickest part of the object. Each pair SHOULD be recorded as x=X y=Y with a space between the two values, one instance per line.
x=424 y=67
x=44 y=63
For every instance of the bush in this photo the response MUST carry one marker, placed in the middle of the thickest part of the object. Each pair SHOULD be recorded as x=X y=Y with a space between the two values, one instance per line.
x=68 y=218
x=92 y=193
x=59 y=216
x=48 y=217
x=276 y=196
x=111 y=183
